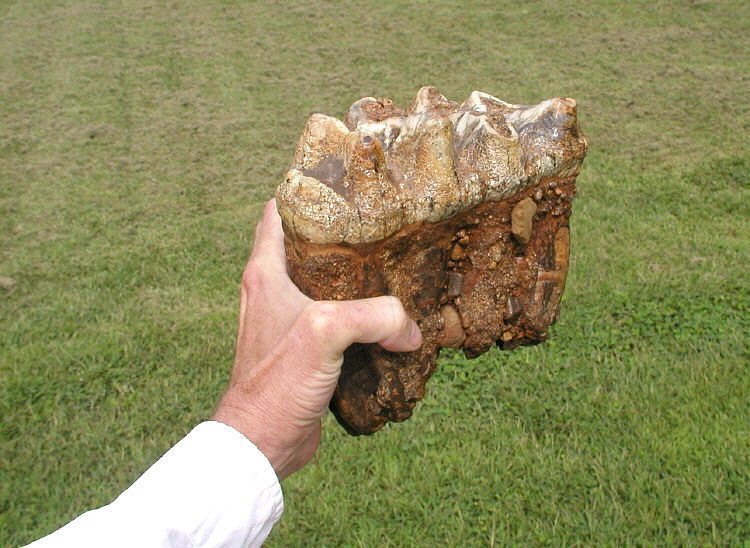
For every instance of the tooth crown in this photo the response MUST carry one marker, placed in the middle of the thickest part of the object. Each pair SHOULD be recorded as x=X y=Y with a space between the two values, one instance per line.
x=362 y=180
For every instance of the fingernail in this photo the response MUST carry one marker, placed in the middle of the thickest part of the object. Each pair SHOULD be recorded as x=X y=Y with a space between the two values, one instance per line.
x=415 y=336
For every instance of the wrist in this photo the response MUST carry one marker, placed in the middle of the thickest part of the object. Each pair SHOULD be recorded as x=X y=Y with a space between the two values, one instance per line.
x=250 y=424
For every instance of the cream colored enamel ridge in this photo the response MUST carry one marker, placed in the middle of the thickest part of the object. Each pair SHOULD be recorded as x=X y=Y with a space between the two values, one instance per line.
x=362 y=183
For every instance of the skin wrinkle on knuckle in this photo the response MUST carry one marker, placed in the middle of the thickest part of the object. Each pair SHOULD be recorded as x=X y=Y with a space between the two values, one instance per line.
x=395 y=316
x=257 y=275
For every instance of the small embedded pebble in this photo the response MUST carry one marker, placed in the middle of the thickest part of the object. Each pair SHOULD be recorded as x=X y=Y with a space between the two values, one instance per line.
x=521 y=220
x=458 y=253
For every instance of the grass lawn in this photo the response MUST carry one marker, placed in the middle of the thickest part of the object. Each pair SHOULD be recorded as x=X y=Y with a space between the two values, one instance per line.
x=138 y=143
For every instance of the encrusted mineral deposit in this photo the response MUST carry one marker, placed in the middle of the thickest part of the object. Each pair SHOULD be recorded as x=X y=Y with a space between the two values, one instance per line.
x=459 y=210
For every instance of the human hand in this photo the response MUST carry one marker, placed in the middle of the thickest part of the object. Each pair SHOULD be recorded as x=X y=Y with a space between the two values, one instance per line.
x=290 y=351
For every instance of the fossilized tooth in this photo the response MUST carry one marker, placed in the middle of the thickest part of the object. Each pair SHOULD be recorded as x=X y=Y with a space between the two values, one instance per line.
x=460 y=210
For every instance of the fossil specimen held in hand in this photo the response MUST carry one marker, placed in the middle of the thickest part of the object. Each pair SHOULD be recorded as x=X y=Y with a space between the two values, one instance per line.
x=459 y=210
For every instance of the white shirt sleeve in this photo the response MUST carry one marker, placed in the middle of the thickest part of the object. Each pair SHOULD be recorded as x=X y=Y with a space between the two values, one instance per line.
x=214 y=488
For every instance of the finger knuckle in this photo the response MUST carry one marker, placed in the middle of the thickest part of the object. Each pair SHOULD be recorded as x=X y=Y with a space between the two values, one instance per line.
x=321 y=319
x=252 y=276
x=394 y=312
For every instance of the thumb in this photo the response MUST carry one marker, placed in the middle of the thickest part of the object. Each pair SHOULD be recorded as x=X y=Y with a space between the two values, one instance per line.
x=337 y=324
x=268 y=247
